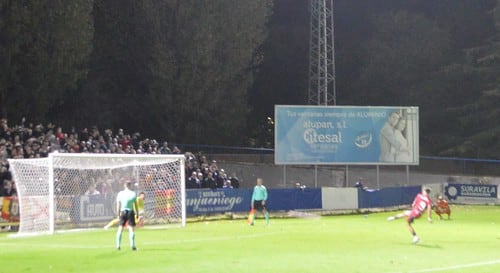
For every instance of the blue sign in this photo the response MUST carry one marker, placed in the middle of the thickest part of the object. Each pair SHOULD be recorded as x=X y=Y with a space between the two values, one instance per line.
x=90 y=208
x=217 y=201
x=207 y=201
x=346 y=135
x=292 y=199
x=387 y=197
x=471 y=192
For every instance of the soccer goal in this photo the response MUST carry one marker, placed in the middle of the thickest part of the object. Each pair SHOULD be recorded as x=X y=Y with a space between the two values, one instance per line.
x=78 y=191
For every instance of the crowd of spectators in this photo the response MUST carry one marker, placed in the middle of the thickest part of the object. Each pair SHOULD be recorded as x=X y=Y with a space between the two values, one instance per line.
x=35 y=140
x=202 y=173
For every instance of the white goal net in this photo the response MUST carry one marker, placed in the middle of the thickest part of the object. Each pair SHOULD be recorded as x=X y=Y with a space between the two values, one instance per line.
x=74 y=191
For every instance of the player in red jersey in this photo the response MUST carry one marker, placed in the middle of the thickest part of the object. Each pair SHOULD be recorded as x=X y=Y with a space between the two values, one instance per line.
x=421 y=203
x=442 y=207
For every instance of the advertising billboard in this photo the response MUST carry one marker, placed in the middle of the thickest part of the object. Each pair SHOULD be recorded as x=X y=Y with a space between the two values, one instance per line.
x=471 y=193
x=365 y=135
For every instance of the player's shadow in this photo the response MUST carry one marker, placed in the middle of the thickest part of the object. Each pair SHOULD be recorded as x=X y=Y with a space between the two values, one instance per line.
x=157 y=249
x=127 y=251
x=424 y=245
x=111 y=253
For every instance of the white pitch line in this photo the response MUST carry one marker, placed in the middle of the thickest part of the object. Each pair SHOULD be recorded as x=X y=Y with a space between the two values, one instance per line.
x=460 y=266
x=73 y=246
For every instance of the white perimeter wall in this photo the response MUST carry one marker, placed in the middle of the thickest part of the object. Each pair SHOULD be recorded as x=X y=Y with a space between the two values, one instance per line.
x=339 y=198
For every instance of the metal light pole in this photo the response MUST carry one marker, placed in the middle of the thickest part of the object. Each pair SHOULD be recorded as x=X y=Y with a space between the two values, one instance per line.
x=321 y=57
x=321 y=53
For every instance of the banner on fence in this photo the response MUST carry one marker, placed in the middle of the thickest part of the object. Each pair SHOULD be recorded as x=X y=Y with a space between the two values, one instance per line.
x=217 y=201
x=93 y=208
x=294 y=199
x=387 y=197
x=9 y=207
x=346 y=135
x=471 y=193
x=205 y=201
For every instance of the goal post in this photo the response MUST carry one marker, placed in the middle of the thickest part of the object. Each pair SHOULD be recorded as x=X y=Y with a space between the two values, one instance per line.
x=78 y=191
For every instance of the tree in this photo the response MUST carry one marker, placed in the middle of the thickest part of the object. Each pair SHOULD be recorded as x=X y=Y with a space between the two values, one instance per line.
x=44 y=51
x=219 y=41
x=477 y=130
x=404 y=51
x=180 y=69
x=281 y=78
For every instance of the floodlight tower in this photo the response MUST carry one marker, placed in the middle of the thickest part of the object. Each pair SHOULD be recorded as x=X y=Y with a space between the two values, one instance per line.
x=321 y=53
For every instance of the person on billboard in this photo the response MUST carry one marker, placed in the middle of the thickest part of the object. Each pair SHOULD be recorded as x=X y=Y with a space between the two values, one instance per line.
x=403 y=154
x=389 y=143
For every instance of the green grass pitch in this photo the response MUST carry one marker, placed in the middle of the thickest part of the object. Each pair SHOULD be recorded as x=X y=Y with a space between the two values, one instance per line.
x=470 y=242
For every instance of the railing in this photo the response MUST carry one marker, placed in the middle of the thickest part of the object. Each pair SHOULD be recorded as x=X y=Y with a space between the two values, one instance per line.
x=461 y=166
x=220 y=149
x=250 y=163
x=430 y=164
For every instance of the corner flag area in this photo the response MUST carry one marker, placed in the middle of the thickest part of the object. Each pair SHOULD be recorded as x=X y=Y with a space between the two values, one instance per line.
x=469 y=242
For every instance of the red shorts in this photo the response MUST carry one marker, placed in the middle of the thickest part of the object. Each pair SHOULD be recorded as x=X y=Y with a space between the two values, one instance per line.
x=413 y=215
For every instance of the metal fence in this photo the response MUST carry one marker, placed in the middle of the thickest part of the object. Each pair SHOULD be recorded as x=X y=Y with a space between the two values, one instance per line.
x=250 y=163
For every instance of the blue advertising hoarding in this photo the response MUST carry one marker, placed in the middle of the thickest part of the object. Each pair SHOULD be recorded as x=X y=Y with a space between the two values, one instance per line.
x=471 y=193
x=206 y=201
x=387 y=197
x=322 y=135
x=89 y=208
